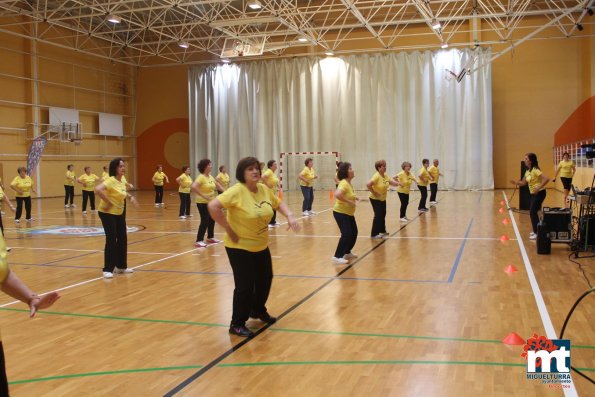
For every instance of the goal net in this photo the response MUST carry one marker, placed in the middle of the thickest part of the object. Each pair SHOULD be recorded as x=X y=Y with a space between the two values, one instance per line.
x=325 y=165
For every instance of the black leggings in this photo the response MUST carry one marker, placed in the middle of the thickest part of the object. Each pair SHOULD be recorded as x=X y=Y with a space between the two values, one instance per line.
x=404 y=197
x=68 y=194
x=536 y=201
x=253 y=277
x=3 y=379
x=88 y=196
x=20 y=201
x=158 y=194
x=348 y=228
x=116 y=241
x=433 y=191
x=184 y=204
x=379 y=223
x=207 y=224
x=424 y=196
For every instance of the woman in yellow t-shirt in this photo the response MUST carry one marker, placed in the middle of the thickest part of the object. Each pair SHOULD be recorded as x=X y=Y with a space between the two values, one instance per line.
x=223 y=178
x=205 y=187
x=270 y=179
x=404 y=180
x=566 y=169
x=4 y=198
x=424 y=178
x=307 y=177
x=22 y=184
x=378 y=187
x=70 y=177
x=158 y=178
x=343 y=212
x=113 y=194
x=435 y=174
x=88 y=181
x=249 y=206
x=185 y=181
x=11 y=285
x=536 y=181
x=104 y=174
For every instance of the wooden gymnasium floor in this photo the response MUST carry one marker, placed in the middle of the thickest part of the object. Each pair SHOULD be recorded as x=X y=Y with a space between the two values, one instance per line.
x=419 y=314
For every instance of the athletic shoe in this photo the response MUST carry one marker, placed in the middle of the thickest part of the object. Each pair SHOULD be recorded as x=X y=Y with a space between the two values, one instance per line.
x=385 y=233
x=212 y=241
x=277 y=224
x=422 y=209
x=189 y=216
x=123 y=271
x=157 y=204
x=84 y=212
x=200 y=244
x=108 y=275
x=29 y=220
x=72 y=206
x=532 y=236
x=66 y=206
x=305 y=213
x=17 y=221
x=265 y=318
x=8 y=249
x=433 y=202
x=240 y=330
x=271 y=226
x=378 y=236
x=311 y=213
x=350 y=255
x=404 y=220
x=340 y=261
x=183 y=217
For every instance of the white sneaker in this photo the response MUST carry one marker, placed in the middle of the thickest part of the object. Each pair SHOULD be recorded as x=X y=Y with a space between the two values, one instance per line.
x=385 y=233
x=305 y=213
x=84 y=212
x=433 y=202
x=157 y=204
x=350 y=255
x=189 y=216
x=532 y=236
x=66 y=206
x=183 y=217
x=213 y=241
x=17 y=221
x=8 y=249
x=404 y=219
x=341 y=261
x=108 y=275
x=200 y=244
x=311 y=213
x=123 y=271
x=271 y=226
x=29 y=220
x=378 y=236
x=72 y=205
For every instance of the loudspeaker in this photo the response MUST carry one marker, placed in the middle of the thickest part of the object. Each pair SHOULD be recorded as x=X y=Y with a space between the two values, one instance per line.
x=558 y=221
x=544 y=243
x=587 y=225
x=524 y=194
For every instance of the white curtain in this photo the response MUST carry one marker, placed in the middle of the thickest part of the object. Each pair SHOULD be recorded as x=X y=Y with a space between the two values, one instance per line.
x=398 y=107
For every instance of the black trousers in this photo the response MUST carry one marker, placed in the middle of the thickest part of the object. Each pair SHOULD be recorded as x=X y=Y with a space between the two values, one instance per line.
x=1 y=225
x=68 y=194
x=274 y=218
x=207 y=224
x=158 y=194
x=3 y=379
x=424 y=196
x=184 y=204
x=379 y=223
x=308 y=192
x=433 y=191
x=116 y=241
x=253 y=277
x=404 y=197
x=88 y=196
x=536 y=201
x=20 y=201
x=348 y=229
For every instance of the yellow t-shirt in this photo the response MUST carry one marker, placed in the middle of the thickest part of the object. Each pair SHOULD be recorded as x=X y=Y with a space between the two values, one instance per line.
x=309 y=174
x=24 y=184
x=423 y=172
x=342 y=206
x=158 y=178
x=88 y=181
x=435 y=172
x=1 y=194
x=68 y=181
x=116 y=193
x=4 y=269
x=249 y=215
x=406 y=179
x=380 y=185
x=104 y=176
x=565 y=168
x=532 y=178
x=223 y=179
x=271 y=179
x=207 y=187
x=185 y=183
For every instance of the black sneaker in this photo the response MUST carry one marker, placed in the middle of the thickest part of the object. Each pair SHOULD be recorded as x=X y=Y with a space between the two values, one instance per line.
x=265 y=318
x=240 y=330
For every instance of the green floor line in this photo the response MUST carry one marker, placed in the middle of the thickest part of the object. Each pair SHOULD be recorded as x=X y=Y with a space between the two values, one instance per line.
x=278 y=363
x=100 y=373
x=148 y=320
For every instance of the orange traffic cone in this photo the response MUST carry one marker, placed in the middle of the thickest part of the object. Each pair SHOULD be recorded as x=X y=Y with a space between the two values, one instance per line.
x=514 y=339
x=504 y=238
x=501 y=210
x=502 y=203
x=510 y=269
x=331 y=195
x=505 y=221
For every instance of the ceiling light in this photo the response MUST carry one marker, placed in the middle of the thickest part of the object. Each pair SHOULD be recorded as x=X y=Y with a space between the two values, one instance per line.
x=254 y=4
x=303 y=39
x=114 y=18
x=184 y=44
x=329 y=53
x=225 y=60
x=436 y=24
x=444 y=45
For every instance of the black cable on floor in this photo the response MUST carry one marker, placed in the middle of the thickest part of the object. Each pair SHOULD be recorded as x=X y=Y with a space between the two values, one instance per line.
x=580 y=266
x=566 y=323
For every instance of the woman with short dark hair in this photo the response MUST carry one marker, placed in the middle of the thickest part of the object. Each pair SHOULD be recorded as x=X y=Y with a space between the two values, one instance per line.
x=307 y=177
x=566 y=169
x=404 y=180
x=249 y=206
x=185 y=181
x=88 y=181
x=158 y=179
x=378 y=187
x=424 y=179
x=343 y=212
x=269 y=178
x=223 y=178
x=205 y=187
x=536 y=181
x=69 y=186
x=22 y=184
